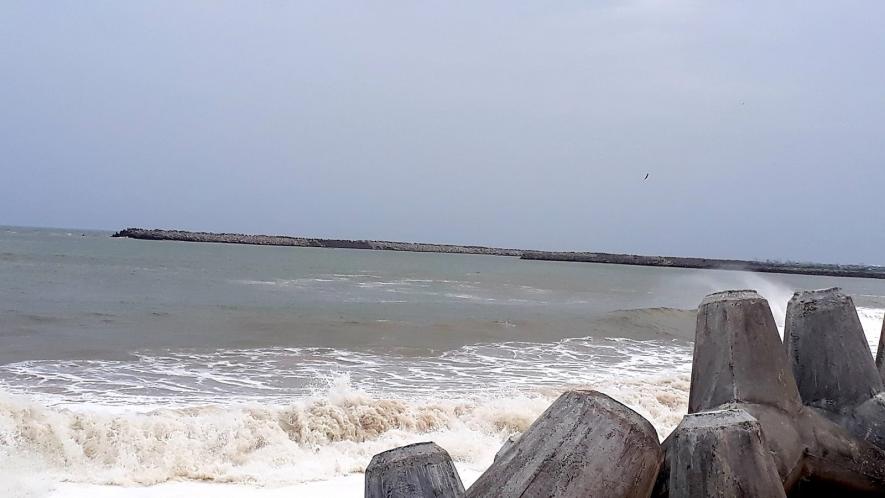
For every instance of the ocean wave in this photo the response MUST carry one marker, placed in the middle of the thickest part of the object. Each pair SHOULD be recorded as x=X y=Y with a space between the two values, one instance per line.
x=280 y=416
x=186 y=378
x=331 y=434
x=189 y=378
x=361 y=287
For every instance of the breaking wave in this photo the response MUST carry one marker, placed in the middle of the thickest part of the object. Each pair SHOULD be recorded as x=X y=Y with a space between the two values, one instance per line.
x=278 y=375
x=333 y=433
x=281 y=416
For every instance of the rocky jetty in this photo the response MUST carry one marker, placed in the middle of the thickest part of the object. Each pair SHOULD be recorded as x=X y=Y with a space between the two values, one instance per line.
x=799 y=418
x=280 y=240
x=861 y=271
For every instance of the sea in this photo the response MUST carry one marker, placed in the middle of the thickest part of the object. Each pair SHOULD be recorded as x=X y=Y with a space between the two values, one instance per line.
x=151 y=368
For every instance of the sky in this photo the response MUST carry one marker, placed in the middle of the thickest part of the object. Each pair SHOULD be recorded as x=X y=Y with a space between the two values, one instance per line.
x=761 y=125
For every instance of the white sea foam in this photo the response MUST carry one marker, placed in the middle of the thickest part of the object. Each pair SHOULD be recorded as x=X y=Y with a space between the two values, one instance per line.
x=314 y=442
x=276 y=375
x=345 y=486
x=871 y=319
x=331 y=434
x=283 y=416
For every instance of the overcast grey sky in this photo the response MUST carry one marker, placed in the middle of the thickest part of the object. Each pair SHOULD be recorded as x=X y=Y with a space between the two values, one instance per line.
x=762 y=124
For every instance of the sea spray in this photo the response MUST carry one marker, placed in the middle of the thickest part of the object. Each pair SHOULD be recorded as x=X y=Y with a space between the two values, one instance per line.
x=777 y=293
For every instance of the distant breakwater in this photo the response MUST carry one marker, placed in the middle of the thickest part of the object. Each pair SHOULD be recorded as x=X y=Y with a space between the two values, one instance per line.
x=280 y=240
x=857 y=271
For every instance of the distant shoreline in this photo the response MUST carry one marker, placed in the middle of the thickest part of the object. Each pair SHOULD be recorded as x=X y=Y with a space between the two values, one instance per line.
x=853 y=271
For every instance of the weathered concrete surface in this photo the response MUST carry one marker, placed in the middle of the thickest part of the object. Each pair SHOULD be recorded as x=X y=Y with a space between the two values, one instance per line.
x=413 y=471
x=837 y=460
x=831 y=361
x=828 y=457
x=506 y=446
x=584 y=445
x=828 y=351
x=738 y=355
x=740 y=363
x=867 y=421
x=719 y=453
x=827 y=452
x=880 y=353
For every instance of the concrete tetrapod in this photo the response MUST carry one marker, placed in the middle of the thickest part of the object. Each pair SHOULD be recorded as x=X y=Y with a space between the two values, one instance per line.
x=720 y=453
x=584 y=445
x=739 y=363
x=421 y=470
x=832 y=364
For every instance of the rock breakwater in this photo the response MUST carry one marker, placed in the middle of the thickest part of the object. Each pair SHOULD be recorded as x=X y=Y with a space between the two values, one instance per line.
x=859 y=271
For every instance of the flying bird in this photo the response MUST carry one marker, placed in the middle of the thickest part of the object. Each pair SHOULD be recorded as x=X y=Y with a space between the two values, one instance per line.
x=646 y=176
